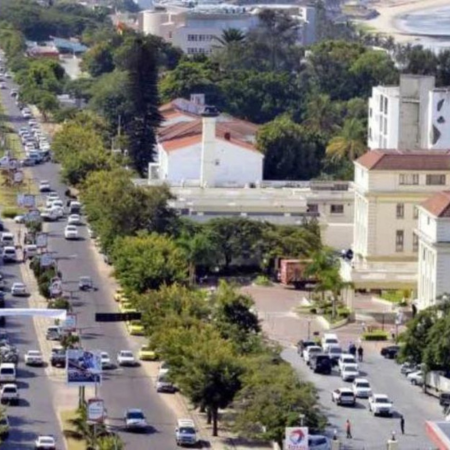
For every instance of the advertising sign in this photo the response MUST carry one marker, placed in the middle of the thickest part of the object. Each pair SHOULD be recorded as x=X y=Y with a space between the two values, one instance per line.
x=41 y=240
x=18 y=176
x=47 y=260
x=96 y=410
x=33 y=216
x=84 y=368
x=296 y=438
x=70 y=324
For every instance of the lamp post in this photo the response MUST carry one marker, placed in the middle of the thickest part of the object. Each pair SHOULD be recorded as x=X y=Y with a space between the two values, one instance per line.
x=301 y=416
x=309 y=329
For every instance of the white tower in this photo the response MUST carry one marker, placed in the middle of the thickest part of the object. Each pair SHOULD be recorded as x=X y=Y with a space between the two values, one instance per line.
x=208 y=156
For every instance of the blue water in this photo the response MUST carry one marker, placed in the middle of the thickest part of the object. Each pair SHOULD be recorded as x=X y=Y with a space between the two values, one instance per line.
x=429 y=22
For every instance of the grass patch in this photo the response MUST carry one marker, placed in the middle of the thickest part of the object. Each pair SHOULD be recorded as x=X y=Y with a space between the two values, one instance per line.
x=67 y=426
x=376 y=335
x=397 y=297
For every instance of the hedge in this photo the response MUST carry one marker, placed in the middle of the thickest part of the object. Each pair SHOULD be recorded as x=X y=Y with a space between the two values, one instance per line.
x=10 y=213
x=377 y=335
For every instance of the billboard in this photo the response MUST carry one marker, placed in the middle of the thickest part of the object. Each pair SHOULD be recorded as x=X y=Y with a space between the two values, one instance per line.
x=96 y=410
x=84 y=367
x=70 y=324
x=41 y=240
x=26 y=200
x=296 y=438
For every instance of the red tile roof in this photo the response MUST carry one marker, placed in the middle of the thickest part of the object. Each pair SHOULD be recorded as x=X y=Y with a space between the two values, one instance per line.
x=405 y=160
x=438 y=204
x=184 y=134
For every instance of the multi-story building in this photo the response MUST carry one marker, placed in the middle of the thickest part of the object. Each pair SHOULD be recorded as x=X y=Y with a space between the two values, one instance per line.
x=412 y=116
x=197 y=29
x=388 y=188
x=433 y=230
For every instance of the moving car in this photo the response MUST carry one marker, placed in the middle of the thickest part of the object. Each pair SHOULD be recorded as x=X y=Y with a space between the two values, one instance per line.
x=58 y=357
x=44 y=186
x=33 y=358
x=185 y=433
x=147 y=354
x=135 y=328
x=361 y=388
x=71 y=232
x=85 y=284
x=346 y=358
x=106 y=361
x=18 y=289
x=9 y=394
x=380 y=405
x=321 y=363
x=343 y=396
x=309 y=351
x=390 y=352
x=303 y=345
x=334 y=352
x=53 y=333
x=349 y=372
x=328 y=340
x=30 y=251
x=135 y=420
x=9 y=254
x=45 y=442
x=408 y=367
x=126 y=358
x=416 y=378
x=74 y=219
x=4 y=426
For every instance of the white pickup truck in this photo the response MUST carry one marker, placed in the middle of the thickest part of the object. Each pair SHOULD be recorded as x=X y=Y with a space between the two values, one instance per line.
x=436 y=382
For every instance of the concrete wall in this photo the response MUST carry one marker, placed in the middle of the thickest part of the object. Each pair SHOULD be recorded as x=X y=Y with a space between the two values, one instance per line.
x=438 y=120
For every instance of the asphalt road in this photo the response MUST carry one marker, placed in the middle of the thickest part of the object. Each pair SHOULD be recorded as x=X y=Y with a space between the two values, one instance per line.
x=369 y=432
x=121 y=388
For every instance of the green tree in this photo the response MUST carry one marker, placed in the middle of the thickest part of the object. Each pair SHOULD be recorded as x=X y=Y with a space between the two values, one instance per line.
x=148 y=261
x=292 y=152
x=98 y=60
x=322 y=115
x=349 y=143
x=46 y=103
x=436 y=353
x=143 y=95
x=231 y=36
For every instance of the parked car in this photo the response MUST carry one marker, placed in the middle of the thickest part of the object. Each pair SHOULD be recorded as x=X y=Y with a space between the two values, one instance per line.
x=444 y=399
x=408 y=367
x=390 y=352
x=416 y=378
x=318 y=442
x=346 y=358
x=321 y=363
x=334 y=352
x=309 y=351
x=380 y=405
x=303 y=345
x=45 y=442
x=9 y=394
x=18 y=289
x=349 y=372
x=106 y=361
x=33 y=358
x=343 y=396
x=58 y=357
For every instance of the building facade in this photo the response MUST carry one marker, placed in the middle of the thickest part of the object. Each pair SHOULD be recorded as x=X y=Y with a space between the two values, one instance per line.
x=388 y=187
x=197 y=29
x=413 y=116
x=433 y=230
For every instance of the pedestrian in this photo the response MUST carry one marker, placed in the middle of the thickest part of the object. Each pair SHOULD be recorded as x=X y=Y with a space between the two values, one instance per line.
x=402 y=424
x=360 y=353
x=363 y=327
x=393 y=334
x=348 y=429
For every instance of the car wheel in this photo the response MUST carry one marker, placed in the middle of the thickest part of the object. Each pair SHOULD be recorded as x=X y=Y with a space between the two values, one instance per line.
x=414 y=382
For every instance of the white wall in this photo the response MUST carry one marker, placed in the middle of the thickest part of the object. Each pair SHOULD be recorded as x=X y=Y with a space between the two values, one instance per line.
x=439 y=119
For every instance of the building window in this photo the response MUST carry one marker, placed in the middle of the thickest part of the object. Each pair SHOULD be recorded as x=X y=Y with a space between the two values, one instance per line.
x=313 y=208
x=337 y=209
x=385 y=125
x=370 y=112
x=415 y=212
x=399 y=240
x=370 y=133
x=436 y=180
x=415 y=243
x=400 y=210
x=385 y=105
x=409 y=179
x=381 y=103
x=192 y=37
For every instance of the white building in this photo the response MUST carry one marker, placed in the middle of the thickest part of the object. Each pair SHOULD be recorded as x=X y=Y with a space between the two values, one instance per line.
x=196 y=29
x=414 y=115
x=209 y=150
x=388 y=187
x=434 y=249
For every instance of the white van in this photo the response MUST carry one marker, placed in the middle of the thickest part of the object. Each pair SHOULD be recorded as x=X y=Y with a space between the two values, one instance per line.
x=30 y=250
x=329 y=340
x=185 y=433
x=7 y=373
x=9 y=254
x=7 y=239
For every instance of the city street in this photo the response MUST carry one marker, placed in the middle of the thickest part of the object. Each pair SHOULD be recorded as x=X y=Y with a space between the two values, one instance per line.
x=121 y=388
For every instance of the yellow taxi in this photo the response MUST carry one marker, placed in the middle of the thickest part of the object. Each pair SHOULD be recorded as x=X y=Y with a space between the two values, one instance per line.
x=147 y=354
x=135 y=328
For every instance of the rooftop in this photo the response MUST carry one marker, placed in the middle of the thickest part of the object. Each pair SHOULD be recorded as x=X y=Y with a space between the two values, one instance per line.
x=439 y=204
x=405 y=160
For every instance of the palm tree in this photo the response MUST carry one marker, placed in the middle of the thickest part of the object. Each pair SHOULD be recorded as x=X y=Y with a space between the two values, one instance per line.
x=349 y=143
x=321 y=114
x=230 y=36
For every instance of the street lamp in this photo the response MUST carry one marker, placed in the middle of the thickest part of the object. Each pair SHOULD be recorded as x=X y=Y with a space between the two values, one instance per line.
x=309 y=329
x=301 y=416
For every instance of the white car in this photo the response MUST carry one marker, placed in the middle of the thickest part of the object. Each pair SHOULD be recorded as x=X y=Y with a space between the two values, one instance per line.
x=349 y=372
x=361 y=388
x=416 y=378
x=71 y=232
x=346 y=358
x=52 y=196
x=309 y=351
x=126 y=358
x=56 y=204
x=20 y=218
x=45 y=443
x=44 y=186
x=380 y=405
x=10 y=394
x=33 y=358
x=18 y=289
x=106 y=361
x=135 y=420
x=74 y=219
x=343 y=396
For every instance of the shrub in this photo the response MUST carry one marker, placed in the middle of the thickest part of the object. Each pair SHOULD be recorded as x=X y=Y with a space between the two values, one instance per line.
x=262 y=280
x=376 y=335
x=10 y=213
x=59 y=303
x=343 y=312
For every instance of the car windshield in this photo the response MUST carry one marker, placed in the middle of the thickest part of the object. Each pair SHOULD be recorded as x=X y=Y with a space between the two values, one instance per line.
x=335 y=350
x=105 y=355
x=126 y=354
x=34 y=353
x=46 y=440
x=9 y=390
x=347 y=394
x=350 y=369
x=382 y=400
x=187 y=430
x=135 y=415
x=363 y=385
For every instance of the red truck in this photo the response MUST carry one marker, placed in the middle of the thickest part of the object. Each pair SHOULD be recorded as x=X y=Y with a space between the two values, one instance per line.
x=291 y=272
